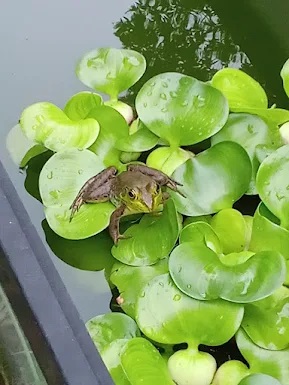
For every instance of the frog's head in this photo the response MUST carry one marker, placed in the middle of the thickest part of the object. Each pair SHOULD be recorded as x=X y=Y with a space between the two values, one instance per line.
x=143 y=198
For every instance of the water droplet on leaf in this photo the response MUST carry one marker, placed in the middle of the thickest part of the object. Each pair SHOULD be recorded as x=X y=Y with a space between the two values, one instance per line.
x=165 y=84
x=250 y=129
x=80 y=171
x=189 y=286
x=50 y=175
x=177 y=297
x=163 y=96
x=173 y=94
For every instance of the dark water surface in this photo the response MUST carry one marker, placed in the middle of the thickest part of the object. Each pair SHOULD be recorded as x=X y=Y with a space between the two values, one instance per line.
x=38 y=55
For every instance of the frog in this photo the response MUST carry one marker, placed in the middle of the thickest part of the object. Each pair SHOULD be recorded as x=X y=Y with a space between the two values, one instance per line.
x=138 y=189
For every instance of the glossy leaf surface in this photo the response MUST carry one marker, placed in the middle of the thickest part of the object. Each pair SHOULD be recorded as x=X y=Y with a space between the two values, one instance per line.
x=259 y=379
x=213 y=180
x=48 y=125
x=111 y=70
x=167 y=159
x=166 y=315
x=199 y=273
x=273 y=185
x=130 y=280
x=181 y=109
x=150 y=240
x=80 y=104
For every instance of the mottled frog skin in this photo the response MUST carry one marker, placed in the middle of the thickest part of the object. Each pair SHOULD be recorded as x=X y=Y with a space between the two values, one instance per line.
x=136 y=190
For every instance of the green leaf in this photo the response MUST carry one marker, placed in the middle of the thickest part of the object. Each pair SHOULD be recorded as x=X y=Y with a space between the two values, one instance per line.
x=198 y=272
x=231 y=229
x=270 y=362
x=130 y=280
x=248 y=131
x=181 y=109
x=106 y=328
x=284 y=73
x=239 y=88
x=267 y=322
x=96 y=218
x=200 y=218
x=137 y=139
x=48 y=125
x=201 y=233
x=88 y=254
x=273 y=185
x=230 y=373
x=124 y=109
x=111 y=358
x=150 y=240
x=143 y=364
x=272 y=116
x=65 y=173
x=259 y=379
x=113 y=128
x=20 y=148
x=166 y=315
x=111 y=70
x=80 y=104
x=212 y=180
x=167 y=159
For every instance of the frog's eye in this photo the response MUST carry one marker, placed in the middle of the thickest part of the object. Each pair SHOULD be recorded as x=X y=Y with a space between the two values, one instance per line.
x=132 y=194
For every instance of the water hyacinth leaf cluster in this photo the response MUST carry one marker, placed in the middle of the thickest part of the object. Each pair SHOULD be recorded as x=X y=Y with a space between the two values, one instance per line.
x=197 y=272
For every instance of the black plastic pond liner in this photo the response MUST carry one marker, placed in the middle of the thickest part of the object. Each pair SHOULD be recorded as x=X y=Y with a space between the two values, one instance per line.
x=49 y=319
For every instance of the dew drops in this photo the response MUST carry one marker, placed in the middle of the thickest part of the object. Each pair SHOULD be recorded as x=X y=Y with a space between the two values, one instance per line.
x=161 y=284
x=149 y=93
x=142 y=294
x=173 y=94
x=163 y=96
x=145 y=105
x=180 y=269
x=250 y=129
x=287 y=187
x=184 y=103
x=279 y=196
x=176 y=297
x=165 y=84
x=189 y=286
x=50 y=175
x=34 y=127
x=80 y=171
x=153 y=84
x=40 y=118
x=164 y=109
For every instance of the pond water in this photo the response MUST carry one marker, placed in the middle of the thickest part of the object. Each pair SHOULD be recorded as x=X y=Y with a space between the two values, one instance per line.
x=39 y=52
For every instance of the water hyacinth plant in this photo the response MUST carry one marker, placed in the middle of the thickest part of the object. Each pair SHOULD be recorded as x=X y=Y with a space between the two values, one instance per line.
x=200 y=273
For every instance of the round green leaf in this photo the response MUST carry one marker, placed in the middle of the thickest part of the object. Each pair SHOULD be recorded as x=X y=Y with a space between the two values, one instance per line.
x=230 y=373
x=200 y=218
x=20 y=148
x=201 y=233
x=270 y=362
x=150 y=240
x=272 y=116
x=213 y=180
x=231 y=229
x=130 y=280
x=106 y=328
x=181 y=109
x=143 y=364
x=65 y=173
x=267 y=322
x=137 y=139
x=166 y=315
x=48 y=125
x=80 y=104
x=95 y=217
x=111 y=70
x=167 y=159
x=198 y=272
x=239 y=88
x=248 y=131
x=273 y=185
x=259 y=379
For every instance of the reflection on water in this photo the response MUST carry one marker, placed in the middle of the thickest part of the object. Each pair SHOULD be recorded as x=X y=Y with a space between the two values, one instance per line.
x=181 y=35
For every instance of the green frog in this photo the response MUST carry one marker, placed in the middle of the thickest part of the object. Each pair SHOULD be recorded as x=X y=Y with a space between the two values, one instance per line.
x=136 y=190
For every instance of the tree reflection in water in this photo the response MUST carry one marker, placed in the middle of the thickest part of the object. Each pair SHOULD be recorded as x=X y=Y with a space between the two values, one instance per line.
x=178 y=35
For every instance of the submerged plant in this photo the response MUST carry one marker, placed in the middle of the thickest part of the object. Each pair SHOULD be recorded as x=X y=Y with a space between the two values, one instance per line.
x=190 y=269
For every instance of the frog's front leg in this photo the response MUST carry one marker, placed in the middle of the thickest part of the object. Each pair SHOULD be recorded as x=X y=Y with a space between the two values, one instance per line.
x=161 y=178
x=114 y=224
x=95 y=190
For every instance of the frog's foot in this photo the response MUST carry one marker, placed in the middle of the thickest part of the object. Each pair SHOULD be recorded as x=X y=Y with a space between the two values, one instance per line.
x=77 y=203
x=121 y=236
